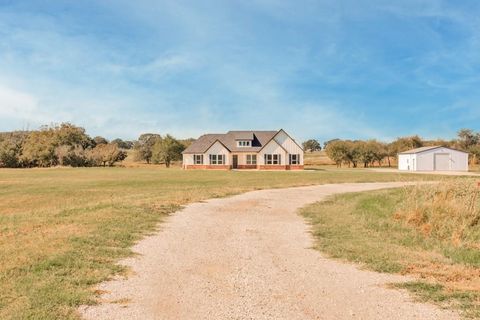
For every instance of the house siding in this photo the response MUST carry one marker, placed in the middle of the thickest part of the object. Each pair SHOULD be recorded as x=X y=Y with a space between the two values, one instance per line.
x=289 y=145
x=217 y=148
x=280 y=143
x=272 y=148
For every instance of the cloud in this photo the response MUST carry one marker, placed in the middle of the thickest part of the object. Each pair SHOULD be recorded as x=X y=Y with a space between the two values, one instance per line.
x=16 y=104
x=320 y=69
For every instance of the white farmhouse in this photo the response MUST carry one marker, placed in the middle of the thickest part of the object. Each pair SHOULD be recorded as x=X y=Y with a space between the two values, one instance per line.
x=434 y=158
x=264 y=150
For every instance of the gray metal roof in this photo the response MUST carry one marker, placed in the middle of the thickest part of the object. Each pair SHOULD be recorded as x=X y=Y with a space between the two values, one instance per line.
x=229 y=140
x=423 y=149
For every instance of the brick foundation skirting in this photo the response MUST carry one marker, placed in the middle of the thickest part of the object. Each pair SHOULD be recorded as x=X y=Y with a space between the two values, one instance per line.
x=280 y=167
x=207 y=166
x=247 y=166
x=244 y=166
x=272 y=167
x=295 y=167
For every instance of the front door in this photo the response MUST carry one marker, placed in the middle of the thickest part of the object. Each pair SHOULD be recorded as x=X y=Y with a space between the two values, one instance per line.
x=235 y=161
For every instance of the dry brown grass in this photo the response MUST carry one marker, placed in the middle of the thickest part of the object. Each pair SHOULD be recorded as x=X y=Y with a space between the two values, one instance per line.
x=63 y=229
x=448 y=211
x=317 y=158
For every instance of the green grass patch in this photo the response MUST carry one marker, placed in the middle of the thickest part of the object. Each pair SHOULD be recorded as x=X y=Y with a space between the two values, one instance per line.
x=467 y=301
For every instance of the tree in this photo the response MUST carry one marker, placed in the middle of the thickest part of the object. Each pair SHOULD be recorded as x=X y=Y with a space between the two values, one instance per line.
x=187 y=142
x=100 y=140
x=475 y=152
x=127 y=145
x=167 y=150
x=11 y=149
x=391 y=152
x=407 y=143
x=106 y=154
x=39 y=148
x=311 y=145
x=467 y=138
x=354 y=152
x=74 y=156
x=325 y=144
x=71 y=135
x=337 y=151
x=371 y=151
x=143 y=147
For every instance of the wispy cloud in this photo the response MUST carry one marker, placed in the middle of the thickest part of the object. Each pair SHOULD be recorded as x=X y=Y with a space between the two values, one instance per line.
x=320 y=69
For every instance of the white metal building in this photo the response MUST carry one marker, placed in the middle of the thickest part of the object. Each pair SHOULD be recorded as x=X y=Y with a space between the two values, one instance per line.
x=433 y=159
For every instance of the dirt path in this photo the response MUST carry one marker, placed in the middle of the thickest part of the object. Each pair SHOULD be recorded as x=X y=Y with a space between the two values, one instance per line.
x=249 y=257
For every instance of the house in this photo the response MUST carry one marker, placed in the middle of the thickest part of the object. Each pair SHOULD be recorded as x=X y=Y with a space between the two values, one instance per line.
x=244 y=150
x=434 y=158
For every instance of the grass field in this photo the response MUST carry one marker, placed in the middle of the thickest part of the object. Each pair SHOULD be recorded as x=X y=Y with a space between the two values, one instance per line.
x=367 y=228
x=317 y=158
x=63 y=229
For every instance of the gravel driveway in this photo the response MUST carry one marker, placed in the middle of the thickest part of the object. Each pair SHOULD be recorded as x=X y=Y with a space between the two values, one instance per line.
x=249 y=257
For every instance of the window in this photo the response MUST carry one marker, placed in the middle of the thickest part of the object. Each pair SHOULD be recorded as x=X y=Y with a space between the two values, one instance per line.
x=251 y=159
x=272 y=159
x=294 y=158
x=244 y=143
x=198 y=158
x=217 y=159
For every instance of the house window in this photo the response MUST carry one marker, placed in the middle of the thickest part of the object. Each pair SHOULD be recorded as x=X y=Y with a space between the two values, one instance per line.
x=198 y=158
x=251 y=159
x=244 y=143
x=272 y=158
x=294 y=158
x=217 y=159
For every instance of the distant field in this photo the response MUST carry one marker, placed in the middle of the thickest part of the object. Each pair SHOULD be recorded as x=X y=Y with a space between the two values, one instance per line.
x=63 y=229
x=317 y=158
x=320 y=158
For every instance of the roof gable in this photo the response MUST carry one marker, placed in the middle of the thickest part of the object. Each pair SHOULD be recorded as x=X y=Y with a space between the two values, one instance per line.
x=276 y=142
x=279 y=131
x=215 y=142
x=229 y=140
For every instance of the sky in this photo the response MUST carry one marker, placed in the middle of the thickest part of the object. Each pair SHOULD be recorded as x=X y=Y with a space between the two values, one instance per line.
x=350 y=69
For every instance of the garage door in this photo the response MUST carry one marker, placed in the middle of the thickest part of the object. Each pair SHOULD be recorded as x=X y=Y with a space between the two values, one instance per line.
x=442 y=161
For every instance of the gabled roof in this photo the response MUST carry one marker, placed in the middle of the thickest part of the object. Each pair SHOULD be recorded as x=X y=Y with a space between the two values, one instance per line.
x=242 y=135
x=229 y=140
x=423 y=149
x=203 y=143
x=273 y=137
x=273 y=140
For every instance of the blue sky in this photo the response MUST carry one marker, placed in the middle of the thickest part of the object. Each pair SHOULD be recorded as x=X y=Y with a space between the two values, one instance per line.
x=319 y=69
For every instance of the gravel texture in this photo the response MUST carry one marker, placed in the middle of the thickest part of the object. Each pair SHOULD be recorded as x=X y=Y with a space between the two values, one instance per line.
x=249 y=257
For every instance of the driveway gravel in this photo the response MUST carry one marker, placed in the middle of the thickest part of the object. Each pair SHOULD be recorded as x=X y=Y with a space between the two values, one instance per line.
x=249 y=257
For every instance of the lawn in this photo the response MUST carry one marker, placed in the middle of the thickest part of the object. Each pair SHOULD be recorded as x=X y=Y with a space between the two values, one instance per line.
x=62 y=230
x=370 y=229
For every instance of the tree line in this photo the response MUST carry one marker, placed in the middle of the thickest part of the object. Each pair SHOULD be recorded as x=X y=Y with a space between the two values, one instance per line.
x=69 y=145
x=368 y=152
